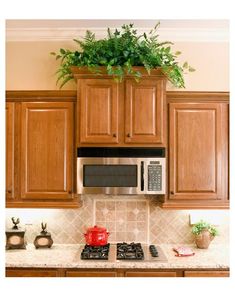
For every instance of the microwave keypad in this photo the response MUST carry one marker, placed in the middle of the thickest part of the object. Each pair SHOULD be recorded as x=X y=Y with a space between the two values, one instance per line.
x=154 y=177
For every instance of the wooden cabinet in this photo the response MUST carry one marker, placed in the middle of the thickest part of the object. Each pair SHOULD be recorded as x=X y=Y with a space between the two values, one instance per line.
x=150 y=274
x=99 y=108
x=40 y=146
x=198 y=154
x=91 y=273
x=144 y=111
x=31 y=272
x=129 y=113
x=115 y=272
x=206 y=273
x=46 y=150
x=10 y=112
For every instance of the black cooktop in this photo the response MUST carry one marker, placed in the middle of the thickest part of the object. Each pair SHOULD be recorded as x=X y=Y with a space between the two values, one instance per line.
x=95 y=252
x=132 y=251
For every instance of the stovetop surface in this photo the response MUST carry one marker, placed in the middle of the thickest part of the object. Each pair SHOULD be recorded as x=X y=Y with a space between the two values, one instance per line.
x=112 y=254
x=132 y=251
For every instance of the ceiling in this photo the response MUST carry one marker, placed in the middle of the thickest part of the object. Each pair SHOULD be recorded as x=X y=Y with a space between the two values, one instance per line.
x=100 y=23
x=181 y=30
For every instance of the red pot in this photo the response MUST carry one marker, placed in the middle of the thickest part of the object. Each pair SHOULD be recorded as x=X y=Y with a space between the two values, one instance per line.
x=96 y=236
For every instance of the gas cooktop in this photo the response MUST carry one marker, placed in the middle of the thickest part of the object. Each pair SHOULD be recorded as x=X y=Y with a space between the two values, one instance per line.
x=123 y=251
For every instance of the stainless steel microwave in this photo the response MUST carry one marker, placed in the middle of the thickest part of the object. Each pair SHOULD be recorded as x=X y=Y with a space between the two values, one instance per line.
x=121 y=170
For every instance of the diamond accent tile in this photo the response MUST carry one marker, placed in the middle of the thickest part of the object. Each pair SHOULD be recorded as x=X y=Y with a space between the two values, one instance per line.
x=135 y=211
x=125 y=213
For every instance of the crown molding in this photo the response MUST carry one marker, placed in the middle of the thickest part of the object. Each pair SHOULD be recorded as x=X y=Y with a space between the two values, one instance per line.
x=68 y=34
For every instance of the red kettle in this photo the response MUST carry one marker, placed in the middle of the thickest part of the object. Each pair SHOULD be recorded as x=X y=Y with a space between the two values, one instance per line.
x=96 y=236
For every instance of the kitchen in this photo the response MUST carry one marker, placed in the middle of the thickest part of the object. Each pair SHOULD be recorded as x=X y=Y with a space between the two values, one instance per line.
x=173 y=156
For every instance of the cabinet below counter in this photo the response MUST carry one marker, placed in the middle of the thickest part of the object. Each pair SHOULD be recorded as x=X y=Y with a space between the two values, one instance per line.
x=64 y=261
x=89 y=272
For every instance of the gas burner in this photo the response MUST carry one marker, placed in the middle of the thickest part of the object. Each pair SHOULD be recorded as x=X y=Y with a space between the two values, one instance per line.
x=95 y=252
x=132 y=251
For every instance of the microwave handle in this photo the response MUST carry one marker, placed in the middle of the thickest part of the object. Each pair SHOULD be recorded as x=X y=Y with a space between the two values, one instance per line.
x=142 y=176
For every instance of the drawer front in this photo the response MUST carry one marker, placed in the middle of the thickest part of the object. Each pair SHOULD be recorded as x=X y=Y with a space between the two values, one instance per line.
x=150 y=274
x=208 y=273
x=30 y=273
x=90 y=273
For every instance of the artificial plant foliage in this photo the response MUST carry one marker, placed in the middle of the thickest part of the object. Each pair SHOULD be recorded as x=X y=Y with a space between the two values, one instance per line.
x=119 y=52
x=203 y=225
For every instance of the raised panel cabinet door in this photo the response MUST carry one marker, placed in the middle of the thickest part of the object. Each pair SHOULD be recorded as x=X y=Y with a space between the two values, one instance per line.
x=98 y=100
x=10 y=150
x=198 y=148
x=46 y=150
x=144 y=111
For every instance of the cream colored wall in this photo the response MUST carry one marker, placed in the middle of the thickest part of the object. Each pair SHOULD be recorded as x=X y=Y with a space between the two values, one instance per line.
x=29 y=66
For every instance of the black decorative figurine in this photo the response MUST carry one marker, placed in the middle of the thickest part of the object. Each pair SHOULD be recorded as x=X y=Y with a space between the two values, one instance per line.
x=43 y=240
x=15 y=236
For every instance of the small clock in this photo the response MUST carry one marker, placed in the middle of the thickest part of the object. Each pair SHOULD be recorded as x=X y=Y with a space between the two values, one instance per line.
x=15 y=236
x=43 y=240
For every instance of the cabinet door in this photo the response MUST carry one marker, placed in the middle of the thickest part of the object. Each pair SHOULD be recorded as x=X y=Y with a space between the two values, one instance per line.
x=10 y=150
x=46 y=150
x=206 y=273
x=144 y=111
x=98 y=110
x=198 y=148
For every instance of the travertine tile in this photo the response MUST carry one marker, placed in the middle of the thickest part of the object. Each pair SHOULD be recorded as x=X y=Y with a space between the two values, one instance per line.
x=127 y=218
x=130 y=236
x=120 y=206
x=121 y=236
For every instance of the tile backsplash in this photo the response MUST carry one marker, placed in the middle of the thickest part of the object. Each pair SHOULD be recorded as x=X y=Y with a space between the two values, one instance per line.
x=135 y=218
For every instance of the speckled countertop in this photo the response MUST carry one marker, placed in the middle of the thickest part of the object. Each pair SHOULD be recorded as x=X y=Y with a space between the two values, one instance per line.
x=68 y=256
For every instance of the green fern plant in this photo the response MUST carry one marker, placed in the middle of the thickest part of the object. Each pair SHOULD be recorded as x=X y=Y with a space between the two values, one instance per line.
x=119 y=52
x=201 y=226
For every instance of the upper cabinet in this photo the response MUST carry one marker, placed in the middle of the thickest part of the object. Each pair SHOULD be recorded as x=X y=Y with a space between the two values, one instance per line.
x=99 y=111
x=46 y=150
x=144 y=111
x=10 y=112
x=127 y=113
x=41 y=154
x=198 y=154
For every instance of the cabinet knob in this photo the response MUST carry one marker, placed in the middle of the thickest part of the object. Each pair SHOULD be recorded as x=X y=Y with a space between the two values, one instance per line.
x=128 y=135
x=172 y=192
x=70 y=191
x=114 y=135
x=9 y=191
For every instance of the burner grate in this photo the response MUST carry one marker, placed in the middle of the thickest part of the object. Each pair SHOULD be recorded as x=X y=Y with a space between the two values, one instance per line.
x=95 y=252
x=132 y=251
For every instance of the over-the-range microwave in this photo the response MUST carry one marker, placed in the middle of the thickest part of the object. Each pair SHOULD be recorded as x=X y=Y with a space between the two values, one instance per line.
x=121 y=170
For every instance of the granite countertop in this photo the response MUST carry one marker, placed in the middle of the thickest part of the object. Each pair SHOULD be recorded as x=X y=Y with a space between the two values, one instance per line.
x=68 y=256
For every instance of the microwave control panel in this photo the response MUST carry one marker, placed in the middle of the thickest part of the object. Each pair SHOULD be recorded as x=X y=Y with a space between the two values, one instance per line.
x=154 y=176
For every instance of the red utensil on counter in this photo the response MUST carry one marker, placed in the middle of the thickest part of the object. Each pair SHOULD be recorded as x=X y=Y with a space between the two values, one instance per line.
x=96 y=236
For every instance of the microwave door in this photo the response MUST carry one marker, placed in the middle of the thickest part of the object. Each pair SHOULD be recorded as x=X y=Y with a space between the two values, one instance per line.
x=108 y=175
